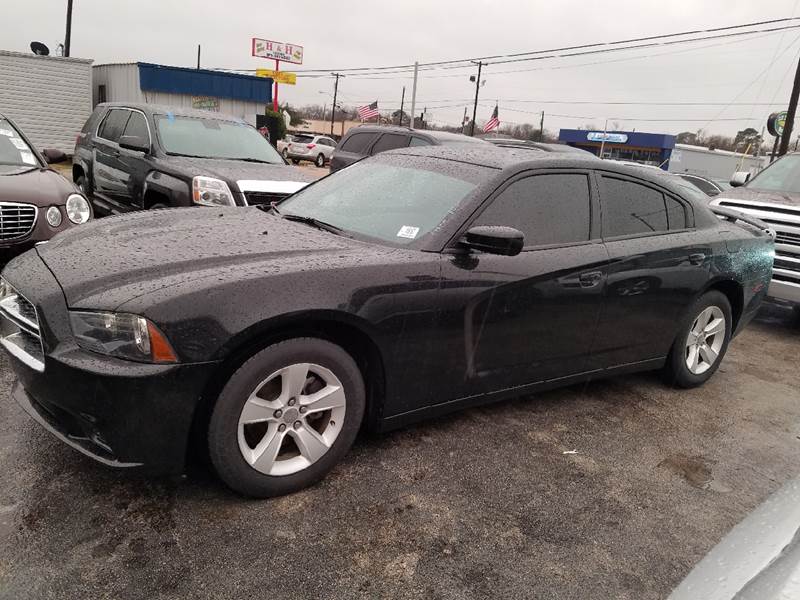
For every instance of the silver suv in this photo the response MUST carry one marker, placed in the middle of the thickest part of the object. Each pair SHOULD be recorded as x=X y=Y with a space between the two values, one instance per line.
x=774 y=197
x=315 y=148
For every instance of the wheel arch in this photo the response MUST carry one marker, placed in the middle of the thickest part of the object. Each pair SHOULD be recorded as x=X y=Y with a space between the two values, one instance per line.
x=338 y=328
x=734 y=292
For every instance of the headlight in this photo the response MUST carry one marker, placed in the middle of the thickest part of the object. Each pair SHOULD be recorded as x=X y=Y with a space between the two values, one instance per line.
x=121 y=334
x=53 y=216
x=211 y=192
x=78 y=210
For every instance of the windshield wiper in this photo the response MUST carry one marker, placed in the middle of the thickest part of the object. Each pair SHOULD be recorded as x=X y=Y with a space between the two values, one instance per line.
x=253 y=160
x=272 y=206
x=315 y=223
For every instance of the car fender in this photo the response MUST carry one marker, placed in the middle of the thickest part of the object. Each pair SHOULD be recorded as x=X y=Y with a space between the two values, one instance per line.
x=176 y=189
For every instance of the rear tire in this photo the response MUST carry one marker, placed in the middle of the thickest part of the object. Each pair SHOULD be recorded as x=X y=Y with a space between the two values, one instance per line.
x=83 y=184
x=320 y=160
x=701 y=343
x=274 y=429
x=296 y=161
x=285 y=153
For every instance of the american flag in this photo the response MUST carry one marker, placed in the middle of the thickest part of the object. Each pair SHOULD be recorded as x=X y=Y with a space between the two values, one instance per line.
x=492 y=123
x=368 y=111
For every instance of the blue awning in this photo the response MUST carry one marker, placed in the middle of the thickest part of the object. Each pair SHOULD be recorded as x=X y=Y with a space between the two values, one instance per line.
x=201 y=82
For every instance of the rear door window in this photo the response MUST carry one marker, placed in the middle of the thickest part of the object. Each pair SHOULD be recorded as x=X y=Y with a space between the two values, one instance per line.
x=357 y=143
x=415 y=141
x=303 y=139
x=630 y=208
x=114 y=124
x=390 y=141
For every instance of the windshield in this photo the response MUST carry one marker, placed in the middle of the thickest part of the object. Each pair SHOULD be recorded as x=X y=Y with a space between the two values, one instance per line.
x=213 y=138
x=13 y=149
x=396 y=199
x=781 y=176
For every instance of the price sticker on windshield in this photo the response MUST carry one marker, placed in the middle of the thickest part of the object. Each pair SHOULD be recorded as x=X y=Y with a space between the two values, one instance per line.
x=407 y=231
x=19 y=144
x=7 y=132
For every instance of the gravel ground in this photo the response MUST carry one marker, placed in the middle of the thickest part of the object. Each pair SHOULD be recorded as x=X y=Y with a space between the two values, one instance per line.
x=490 y=502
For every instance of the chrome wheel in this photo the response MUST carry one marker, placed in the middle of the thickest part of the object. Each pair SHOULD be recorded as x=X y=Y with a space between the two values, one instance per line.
x=705 y=340
x=291 y=419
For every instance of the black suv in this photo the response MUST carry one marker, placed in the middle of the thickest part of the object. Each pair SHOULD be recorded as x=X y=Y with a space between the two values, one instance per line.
x=140 y=156
x=366 y=140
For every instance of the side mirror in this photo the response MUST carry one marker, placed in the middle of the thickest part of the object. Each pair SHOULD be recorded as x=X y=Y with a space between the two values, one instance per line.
x=135 y=143
x=494 y=239
x=51 y=155
x=739 y=178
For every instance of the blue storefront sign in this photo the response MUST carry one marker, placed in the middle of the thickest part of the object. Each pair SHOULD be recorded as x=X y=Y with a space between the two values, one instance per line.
x=637 y=146
x=599 y=136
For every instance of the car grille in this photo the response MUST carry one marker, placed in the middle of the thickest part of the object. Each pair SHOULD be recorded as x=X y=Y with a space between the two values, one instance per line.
x=19 y=327
x=785 y=220
x=263 y=197
x=16 y=220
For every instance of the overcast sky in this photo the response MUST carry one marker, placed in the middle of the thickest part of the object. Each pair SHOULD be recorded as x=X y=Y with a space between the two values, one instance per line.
x=571 y=91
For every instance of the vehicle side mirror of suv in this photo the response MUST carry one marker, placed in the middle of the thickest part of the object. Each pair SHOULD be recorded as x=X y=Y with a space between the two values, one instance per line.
x=51 y=155
x=739 y=178
x=494 y=239
x=135 y=143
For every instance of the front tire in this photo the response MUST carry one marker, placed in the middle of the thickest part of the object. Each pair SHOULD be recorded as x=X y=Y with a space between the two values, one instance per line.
x=701 y=342
x=286 y=417
x=296 y=161
x=285 y=153
x=320 y=160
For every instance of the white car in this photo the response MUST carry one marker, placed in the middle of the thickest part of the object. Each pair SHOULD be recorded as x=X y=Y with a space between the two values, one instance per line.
x=315 y=148
x=283 y=145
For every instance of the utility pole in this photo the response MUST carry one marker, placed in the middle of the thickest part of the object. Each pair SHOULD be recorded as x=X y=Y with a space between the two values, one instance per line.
x=402 y=100
x=464 y=121
x=68 y=34
x=786 y=136
x=603 y=141
x=335 y=91
x=541 y=128
x=414 y=94
x=198 y=57
x=475 y=106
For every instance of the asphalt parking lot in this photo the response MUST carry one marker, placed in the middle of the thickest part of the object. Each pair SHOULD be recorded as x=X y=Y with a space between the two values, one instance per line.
x=487 y=503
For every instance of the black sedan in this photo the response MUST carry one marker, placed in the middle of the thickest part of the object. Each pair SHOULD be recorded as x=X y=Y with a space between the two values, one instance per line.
x=411 y=284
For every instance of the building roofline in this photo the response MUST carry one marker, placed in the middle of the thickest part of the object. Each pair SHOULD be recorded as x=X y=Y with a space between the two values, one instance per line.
x=38 y=57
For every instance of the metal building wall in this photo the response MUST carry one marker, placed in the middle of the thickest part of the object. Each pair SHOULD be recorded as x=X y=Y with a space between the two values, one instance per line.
x=717 y=164
x=49 y=97
x=122 y=85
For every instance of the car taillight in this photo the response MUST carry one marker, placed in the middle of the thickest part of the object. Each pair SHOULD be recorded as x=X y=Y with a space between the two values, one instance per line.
x=310 y=146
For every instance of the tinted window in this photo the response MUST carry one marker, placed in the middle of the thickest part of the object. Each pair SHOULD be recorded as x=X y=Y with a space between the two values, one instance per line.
x=676 y=214
x=137 y=126
x=630 y=208
x=358 y=143
x=548 y=209
x=113 y=124
x=390 y=141
x=327 y=141
x=415 y=141
x=303 y=139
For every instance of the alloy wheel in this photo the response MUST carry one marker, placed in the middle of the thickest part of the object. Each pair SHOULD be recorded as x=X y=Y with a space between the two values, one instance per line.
x=291 y=419
x=705 y=340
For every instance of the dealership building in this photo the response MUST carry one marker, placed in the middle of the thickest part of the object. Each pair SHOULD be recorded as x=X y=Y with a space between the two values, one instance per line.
x=243 y=96
x=648 y=148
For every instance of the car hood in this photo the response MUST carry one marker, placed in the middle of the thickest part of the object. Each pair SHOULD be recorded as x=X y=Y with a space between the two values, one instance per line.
x=756 y=195
x=41 y=187
x=115 y=259
x=236 y=171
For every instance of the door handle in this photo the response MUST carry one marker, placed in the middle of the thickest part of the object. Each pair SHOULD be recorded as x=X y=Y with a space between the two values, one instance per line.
x=590 y=279
x=697 y=259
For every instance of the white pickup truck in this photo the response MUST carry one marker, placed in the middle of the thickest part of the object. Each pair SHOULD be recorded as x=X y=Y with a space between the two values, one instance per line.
x=773 y=196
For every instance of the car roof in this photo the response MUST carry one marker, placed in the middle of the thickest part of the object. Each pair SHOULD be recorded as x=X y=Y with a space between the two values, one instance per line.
x=163 y=109
x=519 y=159
x=442 y=136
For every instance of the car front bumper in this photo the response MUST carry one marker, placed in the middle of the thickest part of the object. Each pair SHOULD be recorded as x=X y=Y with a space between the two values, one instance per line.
x=121 y=413
x=784 y=290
